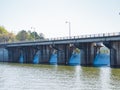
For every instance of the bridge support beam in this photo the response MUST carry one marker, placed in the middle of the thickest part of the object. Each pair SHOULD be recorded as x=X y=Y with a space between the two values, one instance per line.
x=115 y=54
x=62 y=54
x=89 y=54
x=28 y=53
x=37 y=57
x=3 y=54
x=45 y=54
x=13 y=54
x=53 y=57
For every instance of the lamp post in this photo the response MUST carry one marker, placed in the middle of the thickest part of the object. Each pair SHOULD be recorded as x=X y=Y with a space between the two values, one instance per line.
x=69 y=28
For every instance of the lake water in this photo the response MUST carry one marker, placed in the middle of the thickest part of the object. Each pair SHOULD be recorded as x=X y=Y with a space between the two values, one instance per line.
x=55 y=77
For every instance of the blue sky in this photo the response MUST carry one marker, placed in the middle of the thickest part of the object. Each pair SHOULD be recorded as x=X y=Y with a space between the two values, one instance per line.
x=49 y=16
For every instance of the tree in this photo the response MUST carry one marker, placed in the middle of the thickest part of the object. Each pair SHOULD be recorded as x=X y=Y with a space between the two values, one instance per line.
x=42 y=36
x=3 y=30
x=5 y=36
x=22 y=36
x=35 y=36
x=12 y=37
x=30 y=35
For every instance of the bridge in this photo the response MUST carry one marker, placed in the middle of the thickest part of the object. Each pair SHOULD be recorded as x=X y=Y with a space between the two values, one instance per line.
x=60 y=50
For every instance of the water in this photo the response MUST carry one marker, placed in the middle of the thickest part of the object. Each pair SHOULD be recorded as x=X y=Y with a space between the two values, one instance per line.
x=53 y=77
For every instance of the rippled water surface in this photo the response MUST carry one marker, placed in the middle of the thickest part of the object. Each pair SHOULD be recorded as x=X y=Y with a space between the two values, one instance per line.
x=51 y=77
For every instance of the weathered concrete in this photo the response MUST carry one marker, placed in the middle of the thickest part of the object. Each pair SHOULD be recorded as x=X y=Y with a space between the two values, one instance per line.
x=88 y=49
x=45 y=53
x=13 y=54
x=115 y=54
x=3 y=55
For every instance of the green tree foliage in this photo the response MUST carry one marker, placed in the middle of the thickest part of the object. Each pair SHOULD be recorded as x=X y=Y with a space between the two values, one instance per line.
x=38 y=36
x=5 y=36
x=35 y=36
x=3 y=30
x=24 y=35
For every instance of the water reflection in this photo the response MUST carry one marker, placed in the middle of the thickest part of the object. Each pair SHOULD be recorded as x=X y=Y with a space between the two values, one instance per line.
x=105 y=74
x=55 y=77
x=115 y=79
x=77 y=81
x=90 y=78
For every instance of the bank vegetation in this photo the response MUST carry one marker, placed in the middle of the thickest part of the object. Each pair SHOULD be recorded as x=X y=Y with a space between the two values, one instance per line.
x=23 y=35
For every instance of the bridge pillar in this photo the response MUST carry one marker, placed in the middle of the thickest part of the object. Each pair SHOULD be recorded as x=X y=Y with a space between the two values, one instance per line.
x=37 y=56
x=28 y=53
x=13 y=54
x=61 y=54
x=115 y=54
x=45 y=54
x=64 y=53
x=3 y=54
x=53 y=55
x=75 y=58
x=89 y=53
x=21 y=58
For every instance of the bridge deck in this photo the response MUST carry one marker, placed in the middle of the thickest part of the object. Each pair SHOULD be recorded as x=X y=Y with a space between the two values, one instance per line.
x=64 y=40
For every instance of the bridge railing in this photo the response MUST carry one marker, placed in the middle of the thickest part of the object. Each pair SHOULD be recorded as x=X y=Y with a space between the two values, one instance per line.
x=87 y=36
x=72 y=37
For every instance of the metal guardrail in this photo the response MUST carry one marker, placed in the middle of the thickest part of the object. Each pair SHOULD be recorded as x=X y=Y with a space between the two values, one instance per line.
x=72 y=37
x=87 y=36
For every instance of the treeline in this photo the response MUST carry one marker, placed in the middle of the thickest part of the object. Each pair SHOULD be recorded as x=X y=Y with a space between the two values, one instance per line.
x=22 y=35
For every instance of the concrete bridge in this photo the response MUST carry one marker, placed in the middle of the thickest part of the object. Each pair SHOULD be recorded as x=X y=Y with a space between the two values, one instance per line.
x=60 y=50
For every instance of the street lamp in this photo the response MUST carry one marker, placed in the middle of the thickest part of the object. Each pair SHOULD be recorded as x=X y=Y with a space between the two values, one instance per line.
x=69 y=28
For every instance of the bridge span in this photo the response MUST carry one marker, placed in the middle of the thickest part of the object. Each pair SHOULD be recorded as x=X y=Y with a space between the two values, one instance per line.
x=60 y=50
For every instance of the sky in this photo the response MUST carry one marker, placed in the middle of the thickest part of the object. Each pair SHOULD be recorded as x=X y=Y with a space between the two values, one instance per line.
x=49 y=16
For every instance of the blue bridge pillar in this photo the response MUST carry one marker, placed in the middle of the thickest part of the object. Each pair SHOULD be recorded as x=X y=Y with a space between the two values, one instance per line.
x=37 y=57
x=103 y=57
x=21 y=59
x=54 y=58
x=75 y=58
x=3 y=54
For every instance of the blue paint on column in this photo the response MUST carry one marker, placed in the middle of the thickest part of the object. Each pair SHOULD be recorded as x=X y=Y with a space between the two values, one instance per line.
x=102 y=59
x=75 y=59
x=21 y=60
x=37 y=57
x=53 y=59
x=3 y=55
